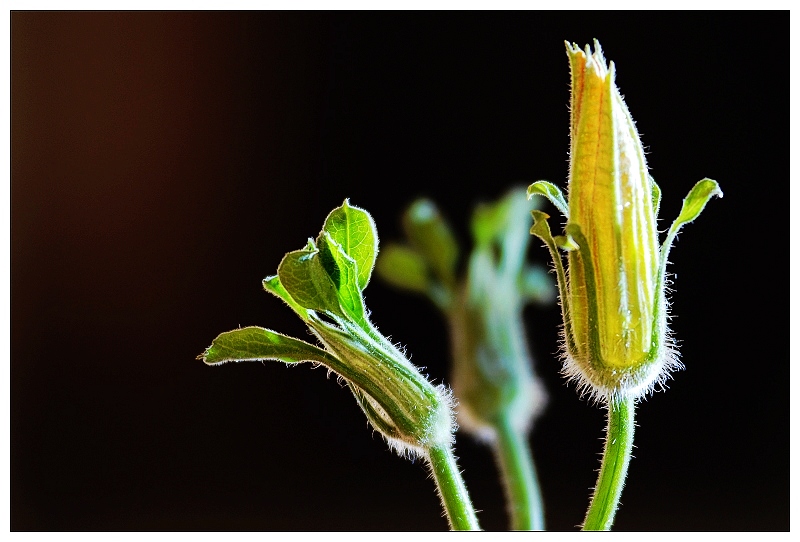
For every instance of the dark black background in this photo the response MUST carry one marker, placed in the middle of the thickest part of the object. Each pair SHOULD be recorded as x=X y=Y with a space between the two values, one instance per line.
x=162 y=164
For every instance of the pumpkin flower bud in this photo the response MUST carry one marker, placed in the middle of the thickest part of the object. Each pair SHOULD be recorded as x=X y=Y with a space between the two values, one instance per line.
x=616 y=340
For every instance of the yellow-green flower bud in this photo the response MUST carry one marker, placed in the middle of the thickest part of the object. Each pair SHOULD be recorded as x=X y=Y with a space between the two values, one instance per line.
x=610 y=201
x=615 y=312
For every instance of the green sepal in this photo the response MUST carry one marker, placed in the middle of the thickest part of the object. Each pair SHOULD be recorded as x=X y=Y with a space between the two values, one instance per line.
x=695 y=202
x=584 y=259
x=260 y=344
x=551 y=192
x=566 y=243
x=343 y=272
x=655 y=195
x=376 y=415
x=306 y=280
x=273 y=285
x=541 y=229
x=693 y=205
x=403 y=267
x=354 y=230
x=431 y=236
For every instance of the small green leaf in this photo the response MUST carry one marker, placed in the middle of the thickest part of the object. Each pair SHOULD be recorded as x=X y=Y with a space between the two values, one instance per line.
x=655 y=194
x=541 y=229
x=342 y=270
x=306 y=281
x=431 y=236
x=403 y=267
x=354 y=230
x=273 y=285
x=259 y=344
x=693 y=205
x=551 y=192
x=695 y=202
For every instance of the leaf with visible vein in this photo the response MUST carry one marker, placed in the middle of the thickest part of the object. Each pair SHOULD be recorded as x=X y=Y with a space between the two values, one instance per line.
x=260 y=344
x=303 y=276
x=333 y=257
x=354 y=230
x=273 y=285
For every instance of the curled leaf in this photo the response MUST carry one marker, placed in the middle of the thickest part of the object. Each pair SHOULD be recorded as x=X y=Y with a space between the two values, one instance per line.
x=305 y=279
x=354 y=230
x=695 y=202
x=551 y=192
x=693 y=205
x=343 y=272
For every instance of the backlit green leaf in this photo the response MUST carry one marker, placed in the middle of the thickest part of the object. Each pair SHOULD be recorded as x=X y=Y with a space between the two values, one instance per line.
x=259 y=344
x=693 y=205
x=342 y=270
x=273 y=285
x=354 y=230
x=695 y=202
x=304 y=278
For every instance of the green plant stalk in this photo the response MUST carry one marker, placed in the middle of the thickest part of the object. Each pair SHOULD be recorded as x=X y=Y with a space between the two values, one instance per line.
x=614 y=468
x=521 y=484
x=452 y=491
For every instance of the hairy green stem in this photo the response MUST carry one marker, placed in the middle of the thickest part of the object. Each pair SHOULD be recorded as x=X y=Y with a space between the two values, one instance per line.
x=452 y=490
x=614 y=468
x=523 y=495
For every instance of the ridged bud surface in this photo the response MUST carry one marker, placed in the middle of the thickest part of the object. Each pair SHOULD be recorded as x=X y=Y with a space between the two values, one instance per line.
x=616 y=340
x=610 y=200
